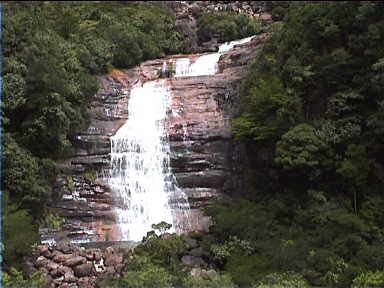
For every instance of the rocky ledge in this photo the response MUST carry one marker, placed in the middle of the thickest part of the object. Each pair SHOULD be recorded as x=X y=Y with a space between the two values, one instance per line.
x=71 y=266
x=67 y=265
x=203 y=154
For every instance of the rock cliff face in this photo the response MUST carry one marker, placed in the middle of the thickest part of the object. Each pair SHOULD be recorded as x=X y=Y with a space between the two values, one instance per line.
x=203 y=154
x=187 y=13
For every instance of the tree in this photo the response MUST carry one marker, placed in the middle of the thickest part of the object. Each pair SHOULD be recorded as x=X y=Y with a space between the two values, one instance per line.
x=301 y=148
x=267 y=111
x=355 y=168
x=281 y=280
x=17 y=245
x=369 y=279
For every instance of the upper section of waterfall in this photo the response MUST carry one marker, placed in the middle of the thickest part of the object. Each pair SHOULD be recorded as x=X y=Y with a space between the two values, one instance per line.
x=205 y=64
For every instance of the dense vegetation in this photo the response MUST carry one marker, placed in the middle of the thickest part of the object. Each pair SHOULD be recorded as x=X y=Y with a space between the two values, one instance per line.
x=312 y=119
x=312 y=116
x=52 y=52
x=226 y=26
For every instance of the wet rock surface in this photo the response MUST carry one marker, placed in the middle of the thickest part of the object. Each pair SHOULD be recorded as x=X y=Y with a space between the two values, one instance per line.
x=202 y=148
x=202 y=155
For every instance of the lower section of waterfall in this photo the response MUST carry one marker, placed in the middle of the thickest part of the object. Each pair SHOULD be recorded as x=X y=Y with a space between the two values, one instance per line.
x=140 y=174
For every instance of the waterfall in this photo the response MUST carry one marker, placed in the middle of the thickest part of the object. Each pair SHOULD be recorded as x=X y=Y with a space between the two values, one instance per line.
x=206 y=64
x=140 y=165
x=140 y=173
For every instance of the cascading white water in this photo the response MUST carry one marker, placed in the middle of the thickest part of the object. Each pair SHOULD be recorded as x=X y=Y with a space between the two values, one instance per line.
x=140 y=169
x=206 y=64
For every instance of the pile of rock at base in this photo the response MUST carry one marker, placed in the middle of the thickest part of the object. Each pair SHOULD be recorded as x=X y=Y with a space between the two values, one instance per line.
x=70 y=266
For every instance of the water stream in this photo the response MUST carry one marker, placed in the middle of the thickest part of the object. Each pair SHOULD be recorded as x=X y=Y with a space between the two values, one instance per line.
x=140 y=170
x=206 y=64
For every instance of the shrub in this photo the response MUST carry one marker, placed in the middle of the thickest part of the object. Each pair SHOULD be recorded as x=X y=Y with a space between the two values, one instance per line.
x=226 y=26
x=221 y=281
x=369 y=279
x=282 y=280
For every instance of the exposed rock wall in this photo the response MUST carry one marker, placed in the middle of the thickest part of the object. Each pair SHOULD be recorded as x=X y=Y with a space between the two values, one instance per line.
x=204 y=157
x=187 y=13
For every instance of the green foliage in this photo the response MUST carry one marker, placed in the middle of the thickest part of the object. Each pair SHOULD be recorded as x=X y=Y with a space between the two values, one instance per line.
x=162 y=227
x=243 y=219
x=17 y=245
x=164 y=252
x=355 y=166
x=268 y=111
x=278 y=9
x=281 y=280
x=15 y=279
x=369 y=279
x=52 y=220
x=145 y=274
x=90 y=174
x=52 y=52
x=47 y=75
x=221 y=281
x=226 y=26
x=234 y=245
x=245 y=269
x=301 y=148
x=22 y=179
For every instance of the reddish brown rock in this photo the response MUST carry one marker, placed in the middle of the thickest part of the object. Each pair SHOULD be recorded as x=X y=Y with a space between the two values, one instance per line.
x=41 y=261
x=64 y=269
x=69 y=277
x=113 y=259
x=51 y=265
x=83 y=270
x=55 y=273
x=60 y=257
x=74 y=261
x=85 y=282
x=110 y=271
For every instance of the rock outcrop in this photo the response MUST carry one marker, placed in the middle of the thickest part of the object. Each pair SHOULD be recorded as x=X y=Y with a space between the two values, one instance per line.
x=203 y=154
x=72 y=266
x=187 y=13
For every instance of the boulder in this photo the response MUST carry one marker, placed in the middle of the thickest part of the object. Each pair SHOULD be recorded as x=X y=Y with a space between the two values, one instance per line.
x=74 y=261
x=192 y=261
x=113 y=259
x=51 y=265
x=42 y=249
x=196 y=272
x=62 y=270
x=55 y=273
x=192 y=243
x=69 y=277
x=59 y=257
x=84 y=282
x=110 y=271
x=209 y=275
x=97 y=255
x=65 y=247
x=119 y=268
x=41 y=261
x=198 y=252
x=83 y=270
x=166 y=236
x=89 y=257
